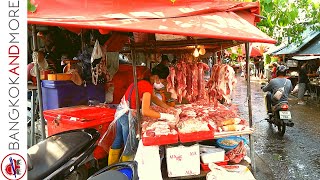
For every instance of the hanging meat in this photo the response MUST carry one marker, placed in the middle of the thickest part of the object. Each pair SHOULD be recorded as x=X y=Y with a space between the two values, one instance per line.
x=171 y=82
x=201 y=82
x=181 y=80
x=189 y=82
x=221 y=83
x=195 y=77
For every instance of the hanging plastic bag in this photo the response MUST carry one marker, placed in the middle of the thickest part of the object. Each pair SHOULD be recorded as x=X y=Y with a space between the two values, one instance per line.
x=98 y=64
x=107 y=138
x=130 y=148
x=96 y=54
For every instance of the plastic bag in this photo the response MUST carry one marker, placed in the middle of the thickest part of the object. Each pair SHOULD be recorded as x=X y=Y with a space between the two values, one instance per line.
x=149 y=163
x=98 y=65
x=295 y=89
x=278 y=94
x=96 y=54
x=220 y=173
x=130 y=148
x=108 y=137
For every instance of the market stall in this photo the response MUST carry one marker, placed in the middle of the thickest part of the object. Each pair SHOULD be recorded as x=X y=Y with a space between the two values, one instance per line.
x=216 y=25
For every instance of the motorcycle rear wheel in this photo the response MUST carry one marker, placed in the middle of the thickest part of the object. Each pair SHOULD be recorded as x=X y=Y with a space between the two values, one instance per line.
x=281 y=128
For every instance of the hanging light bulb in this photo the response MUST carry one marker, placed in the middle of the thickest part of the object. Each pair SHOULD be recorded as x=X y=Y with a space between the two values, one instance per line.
x=202 y=50
x=196 y=52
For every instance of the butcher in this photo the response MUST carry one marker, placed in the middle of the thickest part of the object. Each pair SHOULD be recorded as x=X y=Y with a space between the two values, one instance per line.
x=125 y=122
x=159 y=86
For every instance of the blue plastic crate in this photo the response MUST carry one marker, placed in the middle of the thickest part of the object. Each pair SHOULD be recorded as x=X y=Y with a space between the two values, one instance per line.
x=58 y=94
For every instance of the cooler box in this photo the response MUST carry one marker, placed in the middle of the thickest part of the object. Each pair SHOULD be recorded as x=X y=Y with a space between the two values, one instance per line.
x=183 y=160
x=78 y=117
x=58 y=94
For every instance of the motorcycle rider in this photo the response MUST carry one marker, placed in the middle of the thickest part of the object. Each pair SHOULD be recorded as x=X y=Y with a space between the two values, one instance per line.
x=276 y=83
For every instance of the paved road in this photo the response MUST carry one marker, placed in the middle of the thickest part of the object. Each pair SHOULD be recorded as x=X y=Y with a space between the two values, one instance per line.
x=297 y=154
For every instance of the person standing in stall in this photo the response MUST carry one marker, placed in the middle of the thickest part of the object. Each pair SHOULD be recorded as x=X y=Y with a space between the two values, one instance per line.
x=125 y=115
x=303 y=81
x=159 y=86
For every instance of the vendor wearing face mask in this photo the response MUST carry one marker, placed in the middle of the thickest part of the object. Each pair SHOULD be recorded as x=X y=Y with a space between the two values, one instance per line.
x=159 y=84
x=125 y=113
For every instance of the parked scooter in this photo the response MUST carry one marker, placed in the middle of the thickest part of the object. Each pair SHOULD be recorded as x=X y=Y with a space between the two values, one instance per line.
x=119 y=171
x=63 y=155
x=66 y=154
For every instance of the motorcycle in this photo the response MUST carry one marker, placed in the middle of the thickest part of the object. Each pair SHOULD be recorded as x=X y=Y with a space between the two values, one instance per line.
x=67 y=155
x=63 y=155
x=119 y=171
x=280 y=115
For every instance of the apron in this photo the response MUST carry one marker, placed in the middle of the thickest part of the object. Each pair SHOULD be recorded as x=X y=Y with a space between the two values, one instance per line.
x=131 y=146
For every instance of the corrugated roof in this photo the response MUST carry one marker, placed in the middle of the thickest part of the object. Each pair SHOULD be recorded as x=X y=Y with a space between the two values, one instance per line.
x=294 y=48
x=312 y=48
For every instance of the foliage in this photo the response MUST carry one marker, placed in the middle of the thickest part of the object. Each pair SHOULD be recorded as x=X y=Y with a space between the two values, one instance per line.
x=234 y=57
x=289 y=18
x=267 y=59
x=31 y=7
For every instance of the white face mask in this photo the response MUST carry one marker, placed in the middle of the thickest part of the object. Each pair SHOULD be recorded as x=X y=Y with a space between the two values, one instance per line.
x=158 y=86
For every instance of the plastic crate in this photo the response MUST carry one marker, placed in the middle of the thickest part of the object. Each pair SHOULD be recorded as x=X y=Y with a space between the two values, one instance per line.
x=58 y=94
x=160 y=140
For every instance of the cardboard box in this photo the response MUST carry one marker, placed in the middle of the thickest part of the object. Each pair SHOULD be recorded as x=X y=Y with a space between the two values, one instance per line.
x=183 y=160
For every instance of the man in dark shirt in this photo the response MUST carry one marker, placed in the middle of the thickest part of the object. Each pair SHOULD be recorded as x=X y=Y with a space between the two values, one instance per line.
x=303 y=80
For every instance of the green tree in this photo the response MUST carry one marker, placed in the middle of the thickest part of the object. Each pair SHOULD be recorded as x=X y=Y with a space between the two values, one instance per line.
x=289 y=18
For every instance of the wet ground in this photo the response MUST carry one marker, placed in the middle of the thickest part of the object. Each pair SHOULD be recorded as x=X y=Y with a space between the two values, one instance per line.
x=294 y=156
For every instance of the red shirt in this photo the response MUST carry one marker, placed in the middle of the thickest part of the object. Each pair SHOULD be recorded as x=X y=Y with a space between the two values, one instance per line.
x=143 y=86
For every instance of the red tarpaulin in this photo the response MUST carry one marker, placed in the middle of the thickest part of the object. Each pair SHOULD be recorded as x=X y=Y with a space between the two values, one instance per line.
x=201 y=18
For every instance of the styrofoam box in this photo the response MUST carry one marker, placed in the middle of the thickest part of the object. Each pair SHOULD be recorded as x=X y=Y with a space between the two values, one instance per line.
x=183 y=160
x=210 y=154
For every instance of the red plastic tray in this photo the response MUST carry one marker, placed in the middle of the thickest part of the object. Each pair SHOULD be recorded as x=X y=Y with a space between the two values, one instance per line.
x=205 y=167
x=196 y=136
x=160 y=140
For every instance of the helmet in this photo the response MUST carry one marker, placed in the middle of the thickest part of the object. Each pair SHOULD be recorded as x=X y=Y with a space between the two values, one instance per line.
x=282 y=69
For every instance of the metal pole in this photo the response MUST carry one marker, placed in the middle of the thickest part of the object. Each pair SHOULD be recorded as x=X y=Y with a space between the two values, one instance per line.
x=33 y=117
x=135 y=82
x=253 y=165
x=35 y=48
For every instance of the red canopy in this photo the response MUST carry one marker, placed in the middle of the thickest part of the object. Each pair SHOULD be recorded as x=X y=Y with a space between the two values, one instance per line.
x=201 y=18
x=254 y=51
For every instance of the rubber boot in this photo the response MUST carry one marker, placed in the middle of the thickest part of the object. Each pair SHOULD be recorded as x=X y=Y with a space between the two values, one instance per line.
x=126 y=158
x=114 y=155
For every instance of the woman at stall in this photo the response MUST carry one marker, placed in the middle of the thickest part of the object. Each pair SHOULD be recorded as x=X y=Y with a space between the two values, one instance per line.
x=125 y=114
